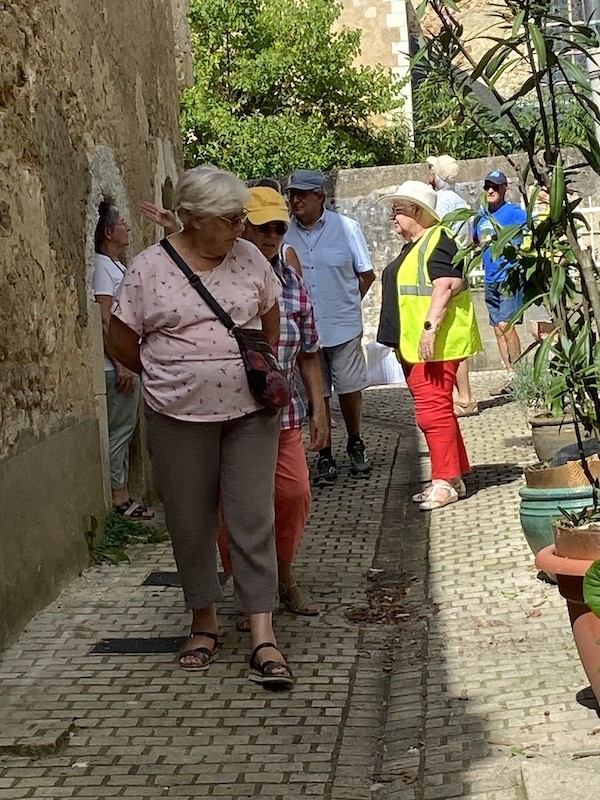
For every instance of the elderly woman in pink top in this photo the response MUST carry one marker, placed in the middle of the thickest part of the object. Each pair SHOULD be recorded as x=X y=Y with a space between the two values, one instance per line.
x=206 y=432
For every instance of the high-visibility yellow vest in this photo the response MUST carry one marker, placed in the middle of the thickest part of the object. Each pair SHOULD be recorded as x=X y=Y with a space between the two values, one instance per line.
x=458 y=335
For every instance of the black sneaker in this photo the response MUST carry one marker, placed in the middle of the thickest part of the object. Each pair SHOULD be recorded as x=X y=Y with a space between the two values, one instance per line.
x=326 y=472
x=360 y=467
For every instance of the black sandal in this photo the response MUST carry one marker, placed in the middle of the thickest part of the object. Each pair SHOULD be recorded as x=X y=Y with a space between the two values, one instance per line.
x=134 y=510
x=200 y=653
x=264 y=673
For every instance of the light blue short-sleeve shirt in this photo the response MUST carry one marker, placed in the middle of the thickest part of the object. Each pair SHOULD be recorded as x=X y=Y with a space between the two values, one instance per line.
x=332 y=253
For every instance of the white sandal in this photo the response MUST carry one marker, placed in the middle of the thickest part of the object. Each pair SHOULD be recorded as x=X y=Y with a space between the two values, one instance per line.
x=432 y=502
x=421 y=497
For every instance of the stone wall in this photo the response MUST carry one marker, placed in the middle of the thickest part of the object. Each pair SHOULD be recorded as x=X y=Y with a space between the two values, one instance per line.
x=385 y=27
x=88 y=108
x=482 y=20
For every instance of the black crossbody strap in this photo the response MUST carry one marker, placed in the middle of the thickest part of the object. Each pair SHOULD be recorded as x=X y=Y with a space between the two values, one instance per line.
x=194 y=279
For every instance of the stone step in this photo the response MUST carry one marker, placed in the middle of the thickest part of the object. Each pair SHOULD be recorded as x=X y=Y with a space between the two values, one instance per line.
x=558 y=779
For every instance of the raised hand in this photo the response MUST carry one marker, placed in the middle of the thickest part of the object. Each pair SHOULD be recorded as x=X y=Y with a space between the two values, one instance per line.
x=160 y=216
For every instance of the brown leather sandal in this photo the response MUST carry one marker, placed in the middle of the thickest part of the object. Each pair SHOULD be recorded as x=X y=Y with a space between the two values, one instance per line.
x=301 y=605
x=203 y=654
x=242 y=622
x=264 y=673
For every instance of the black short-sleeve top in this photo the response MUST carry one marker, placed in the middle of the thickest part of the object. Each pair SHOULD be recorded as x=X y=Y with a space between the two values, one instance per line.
x=439 y=266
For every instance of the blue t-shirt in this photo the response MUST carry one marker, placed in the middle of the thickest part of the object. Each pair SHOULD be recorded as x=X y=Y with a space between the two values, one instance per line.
x=507 y=214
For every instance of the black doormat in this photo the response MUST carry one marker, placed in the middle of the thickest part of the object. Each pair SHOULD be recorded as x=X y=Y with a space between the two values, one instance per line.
x=173 y=579
x=163 y=579
x=138 y=645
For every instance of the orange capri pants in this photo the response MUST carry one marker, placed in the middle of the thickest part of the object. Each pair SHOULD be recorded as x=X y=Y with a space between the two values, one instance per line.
x=431 y=386
x=292 y=500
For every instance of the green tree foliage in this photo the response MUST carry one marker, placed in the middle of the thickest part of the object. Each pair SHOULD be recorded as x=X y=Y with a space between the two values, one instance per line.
x=442 y=126
x=275 y=88
x=449 y=120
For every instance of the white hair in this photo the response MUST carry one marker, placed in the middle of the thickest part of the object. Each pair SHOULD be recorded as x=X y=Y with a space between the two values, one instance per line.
x=442 y=184
x=207 y=191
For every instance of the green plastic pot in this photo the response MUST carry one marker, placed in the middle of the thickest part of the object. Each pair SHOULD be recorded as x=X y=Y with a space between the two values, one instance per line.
x=540 y=507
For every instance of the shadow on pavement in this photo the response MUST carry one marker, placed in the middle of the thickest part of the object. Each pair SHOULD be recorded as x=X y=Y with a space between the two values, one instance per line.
x=494 y=402
x=483 y=476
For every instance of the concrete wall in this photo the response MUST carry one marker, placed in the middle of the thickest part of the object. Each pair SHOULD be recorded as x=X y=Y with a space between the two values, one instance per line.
x=88 y=108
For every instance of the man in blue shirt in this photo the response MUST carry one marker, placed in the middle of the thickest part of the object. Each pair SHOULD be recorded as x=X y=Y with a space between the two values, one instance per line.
x=338 y=272
x=501 y=305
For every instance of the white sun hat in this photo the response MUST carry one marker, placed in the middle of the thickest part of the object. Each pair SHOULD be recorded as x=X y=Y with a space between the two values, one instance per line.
x=417 y=192
x=445 y=167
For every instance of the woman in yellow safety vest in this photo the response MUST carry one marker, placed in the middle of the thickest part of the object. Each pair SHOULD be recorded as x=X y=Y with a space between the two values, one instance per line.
x=427 y=316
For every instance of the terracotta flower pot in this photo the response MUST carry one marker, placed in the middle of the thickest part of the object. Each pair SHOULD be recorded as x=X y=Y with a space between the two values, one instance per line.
x=584 y=624
x=582 y=543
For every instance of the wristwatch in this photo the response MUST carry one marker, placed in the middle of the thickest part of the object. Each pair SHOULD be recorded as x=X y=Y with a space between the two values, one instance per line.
x=427 y=325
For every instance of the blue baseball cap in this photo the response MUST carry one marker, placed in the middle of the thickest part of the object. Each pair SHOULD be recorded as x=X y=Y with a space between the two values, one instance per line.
x=307 y=180
x=496 y=177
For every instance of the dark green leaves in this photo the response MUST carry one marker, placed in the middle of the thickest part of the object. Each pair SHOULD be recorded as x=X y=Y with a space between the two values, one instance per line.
x=539 y=44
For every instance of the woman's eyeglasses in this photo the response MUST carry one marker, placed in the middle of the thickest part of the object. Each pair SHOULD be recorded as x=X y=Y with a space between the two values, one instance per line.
x=395 y=210
x=280 y=228
x=234 y=220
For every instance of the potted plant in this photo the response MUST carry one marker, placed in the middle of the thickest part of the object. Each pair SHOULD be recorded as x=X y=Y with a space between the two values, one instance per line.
x=549 y=433
x=534 y=45
x=558 y=484
x=575 y=559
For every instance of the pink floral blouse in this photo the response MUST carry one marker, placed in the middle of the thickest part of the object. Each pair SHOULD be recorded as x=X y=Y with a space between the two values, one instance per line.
x=192 y=366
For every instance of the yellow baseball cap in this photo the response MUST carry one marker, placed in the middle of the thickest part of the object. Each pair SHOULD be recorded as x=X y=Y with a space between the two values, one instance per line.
x=266 y=205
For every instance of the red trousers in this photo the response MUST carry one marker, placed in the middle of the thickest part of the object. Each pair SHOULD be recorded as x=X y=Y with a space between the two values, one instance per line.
x=292 y=500
x=431 y=386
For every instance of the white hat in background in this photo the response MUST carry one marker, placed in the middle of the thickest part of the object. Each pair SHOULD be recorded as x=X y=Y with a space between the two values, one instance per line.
x=445 y=167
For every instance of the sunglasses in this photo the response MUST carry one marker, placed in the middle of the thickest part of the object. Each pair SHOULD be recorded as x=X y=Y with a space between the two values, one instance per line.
x=280 y=228
x=494 y=187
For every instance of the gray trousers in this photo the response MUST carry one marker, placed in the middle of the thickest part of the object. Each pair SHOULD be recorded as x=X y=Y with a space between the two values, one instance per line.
x=195 y=464
x=122 y=417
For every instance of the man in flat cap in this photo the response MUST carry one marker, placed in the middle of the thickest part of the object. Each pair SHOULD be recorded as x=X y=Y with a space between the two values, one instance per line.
x=338 y=272
x=502 y=305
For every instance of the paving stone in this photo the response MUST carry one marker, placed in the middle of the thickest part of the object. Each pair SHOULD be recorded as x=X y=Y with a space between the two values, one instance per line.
x=454 y=694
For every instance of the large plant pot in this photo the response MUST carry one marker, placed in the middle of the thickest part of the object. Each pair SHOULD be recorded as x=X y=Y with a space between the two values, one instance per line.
x=582 y=543
x=550 y=434
x=570 y=475
x=584 y=624
x=540 y=507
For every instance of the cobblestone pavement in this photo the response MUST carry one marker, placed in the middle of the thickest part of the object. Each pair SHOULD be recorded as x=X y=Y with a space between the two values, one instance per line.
x=477 y=673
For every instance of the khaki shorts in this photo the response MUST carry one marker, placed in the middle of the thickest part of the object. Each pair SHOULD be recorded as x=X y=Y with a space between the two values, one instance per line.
x=344 y=367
